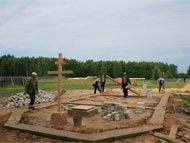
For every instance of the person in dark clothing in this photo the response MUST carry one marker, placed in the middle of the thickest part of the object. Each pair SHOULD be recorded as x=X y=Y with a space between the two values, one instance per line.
x=161 y=83
x=103 y=82
x=96 y=86
x=31 y=88
x=125 y=82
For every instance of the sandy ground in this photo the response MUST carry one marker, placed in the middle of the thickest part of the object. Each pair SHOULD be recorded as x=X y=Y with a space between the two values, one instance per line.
x=42 y=118
x=7 y=135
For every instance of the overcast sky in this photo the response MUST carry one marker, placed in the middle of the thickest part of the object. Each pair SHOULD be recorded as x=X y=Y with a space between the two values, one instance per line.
x=129 y=30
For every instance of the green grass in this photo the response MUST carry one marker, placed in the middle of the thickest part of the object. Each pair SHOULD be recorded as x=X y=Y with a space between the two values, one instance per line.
x=187 y=91
x=187 y=101
x=66 y=84
x=51 y=84
x=153 y=84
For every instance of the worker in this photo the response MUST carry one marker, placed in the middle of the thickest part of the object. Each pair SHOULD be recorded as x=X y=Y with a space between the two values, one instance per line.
x=96 y=85
x=125 y=82
x=161 y=83
x=102 y=82
x=31 y=88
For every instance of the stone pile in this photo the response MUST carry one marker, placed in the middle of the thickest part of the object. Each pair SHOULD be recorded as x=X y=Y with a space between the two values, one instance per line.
x=140 y=108
x=114 y=111
x=21 y=99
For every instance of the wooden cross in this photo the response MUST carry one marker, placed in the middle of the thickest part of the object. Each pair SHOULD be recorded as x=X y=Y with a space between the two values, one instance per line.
x=60 y=72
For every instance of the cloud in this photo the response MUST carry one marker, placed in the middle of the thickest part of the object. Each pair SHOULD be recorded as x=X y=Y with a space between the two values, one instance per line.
x=152 y=30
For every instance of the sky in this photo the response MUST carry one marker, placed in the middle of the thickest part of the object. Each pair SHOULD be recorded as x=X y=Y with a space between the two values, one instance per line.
x=128 y=30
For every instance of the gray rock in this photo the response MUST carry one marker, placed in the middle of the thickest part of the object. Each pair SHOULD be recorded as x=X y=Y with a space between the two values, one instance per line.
x=21 y=99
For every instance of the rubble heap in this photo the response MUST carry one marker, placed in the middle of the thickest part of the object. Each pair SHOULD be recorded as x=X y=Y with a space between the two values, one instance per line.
x=21 y=99
x=140 y=107
x=114 y=111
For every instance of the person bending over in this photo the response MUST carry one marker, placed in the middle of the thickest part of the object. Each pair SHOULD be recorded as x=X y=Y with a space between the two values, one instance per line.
x=96 y=86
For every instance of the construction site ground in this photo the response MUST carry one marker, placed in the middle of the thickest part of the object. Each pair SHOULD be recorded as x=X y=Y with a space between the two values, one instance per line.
x=95 y=123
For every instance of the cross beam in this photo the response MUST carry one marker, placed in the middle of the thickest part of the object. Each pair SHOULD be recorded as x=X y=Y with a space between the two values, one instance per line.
x=63 y=72
x=60 y=72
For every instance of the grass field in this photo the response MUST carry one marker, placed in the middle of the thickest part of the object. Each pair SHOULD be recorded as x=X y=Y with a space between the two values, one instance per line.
x=51 y=84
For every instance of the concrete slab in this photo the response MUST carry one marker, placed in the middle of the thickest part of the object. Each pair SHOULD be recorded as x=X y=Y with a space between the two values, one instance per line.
x=83 y=113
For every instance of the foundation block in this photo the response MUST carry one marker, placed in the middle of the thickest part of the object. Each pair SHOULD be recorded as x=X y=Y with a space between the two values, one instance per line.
x=58 y=118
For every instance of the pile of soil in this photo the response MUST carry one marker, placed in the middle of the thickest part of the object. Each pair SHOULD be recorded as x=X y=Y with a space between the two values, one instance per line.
x=187 y=86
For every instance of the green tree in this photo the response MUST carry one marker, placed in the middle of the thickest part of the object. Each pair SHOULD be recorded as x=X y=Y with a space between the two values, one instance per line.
x=103 y=69
x=117 y=69
x=24 y=66
x=169 y=74
x=173 y=69
x=156 y=73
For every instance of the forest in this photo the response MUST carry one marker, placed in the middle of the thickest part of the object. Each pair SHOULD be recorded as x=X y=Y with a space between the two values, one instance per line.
x=24 y=66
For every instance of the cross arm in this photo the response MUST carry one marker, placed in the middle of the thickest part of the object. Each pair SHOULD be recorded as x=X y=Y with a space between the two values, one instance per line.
x=63 y=72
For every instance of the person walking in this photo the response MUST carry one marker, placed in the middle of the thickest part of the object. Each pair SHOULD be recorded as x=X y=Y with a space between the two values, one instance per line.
x=102 y=82
x=125 y=82
x=96 y=85
x=161 y=83
x=31 y=88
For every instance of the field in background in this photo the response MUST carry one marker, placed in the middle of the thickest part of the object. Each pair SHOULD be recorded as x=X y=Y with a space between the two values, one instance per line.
x=51 y=84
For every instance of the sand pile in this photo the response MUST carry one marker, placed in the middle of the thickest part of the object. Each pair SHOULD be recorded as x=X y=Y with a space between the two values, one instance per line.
x=187 y=86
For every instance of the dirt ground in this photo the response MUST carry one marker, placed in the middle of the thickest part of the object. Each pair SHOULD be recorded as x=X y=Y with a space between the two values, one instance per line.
x=42 y=118
x=171 y=117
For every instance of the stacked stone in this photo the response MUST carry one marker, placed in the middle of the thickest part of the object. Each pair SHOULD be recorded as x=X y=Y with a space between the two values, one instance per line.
x=144 y=89
x=21 y=99
x=140 y=108
x=149 y=94
x=114 y=111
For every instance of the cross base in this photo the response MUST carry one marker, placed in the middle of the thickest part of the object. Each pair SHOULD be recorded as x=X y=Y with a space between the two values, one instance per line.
x=58 y=118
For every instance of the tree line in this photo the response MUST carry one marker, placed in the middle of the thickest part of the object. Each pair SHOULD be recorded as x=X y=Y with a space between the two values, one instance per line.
x=24 y=66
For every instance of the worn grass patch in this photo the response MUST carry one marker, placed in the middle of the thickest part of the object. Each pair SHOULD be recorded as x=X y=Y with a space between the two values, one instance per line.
x=187 y=101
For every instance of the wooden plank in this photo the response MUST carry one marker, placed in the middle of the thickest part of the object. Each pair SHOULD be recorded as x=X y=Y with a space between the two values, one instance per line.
x=133 y=91
x=59 y=82
x=100 y=104
x=162 y=141
x=60 y=94
x=159 y=114
x=82 y=107
x=16 y=116
x=62 y=72
x=113 y=79
x=128 y=87
x=173 y=131
x=68 y=72
x=74 y=136
x=60 y=62
x=185 y=139
x=78 y=103
x=167 y=138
